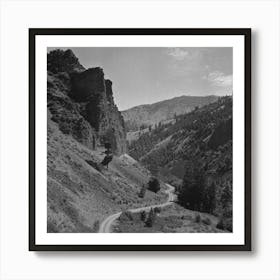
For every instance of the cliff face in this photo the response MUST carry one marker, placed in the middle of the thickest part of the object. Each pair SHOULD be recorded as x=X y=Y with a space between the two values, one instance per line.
x=81 y=116
x=81 y=102
x=63 y=61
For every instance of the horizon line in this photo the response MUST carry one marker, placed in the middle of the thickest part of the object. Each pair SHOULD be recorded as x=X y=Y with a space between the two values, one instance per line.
x=183 y=95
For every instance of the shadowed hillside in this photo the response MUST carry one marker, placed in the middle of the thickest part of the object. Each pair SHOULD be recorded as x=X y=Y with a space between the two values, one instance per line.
x=195 y=154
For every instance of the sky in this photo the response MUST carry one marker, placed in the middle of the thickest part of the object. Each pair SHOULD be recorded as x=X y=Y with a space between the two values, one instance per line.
x=148 y=75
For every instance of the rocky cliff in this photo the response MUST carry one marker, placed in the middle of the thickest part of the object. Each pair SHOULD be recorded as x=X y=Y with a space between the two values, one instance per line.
x=81 y=116
x=81 y=102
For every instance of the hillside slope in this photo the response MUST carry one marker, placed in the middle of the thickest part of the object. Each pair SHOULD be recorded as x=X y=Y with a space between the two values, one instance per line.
x=82 y=116
x=81 y=193
x=194 y=154
x=153 y=114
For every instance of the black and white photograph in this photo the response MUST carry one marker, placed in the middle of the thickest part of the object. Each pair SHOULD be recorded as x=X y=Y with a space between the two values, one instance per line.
x=139 y=140
x=151 y=154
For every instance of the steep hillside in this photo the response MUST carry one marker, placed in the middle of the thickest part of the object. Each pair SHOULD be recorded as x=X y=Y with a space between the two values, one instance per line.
x=81 y=193
x=146 y=115
x=194 y=153
x=82 y=116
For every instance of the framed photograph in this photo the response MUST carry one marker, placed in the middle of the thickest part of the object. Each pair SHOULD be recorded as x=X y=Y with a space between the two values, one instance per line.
x=140 y=139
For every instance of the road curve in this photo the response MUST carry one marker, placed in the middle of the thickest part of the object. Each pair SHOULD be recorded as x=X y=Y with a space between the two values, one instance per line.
x=107 y=223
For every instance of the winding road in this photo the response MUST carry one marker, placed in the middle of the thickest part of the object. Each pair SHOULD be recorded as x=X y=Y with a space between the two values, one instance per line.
x=107 y=223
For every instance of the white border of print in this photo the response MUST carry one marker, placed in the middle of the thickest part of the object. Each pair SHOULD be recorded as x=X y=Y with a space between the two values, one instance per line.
x=44 y=238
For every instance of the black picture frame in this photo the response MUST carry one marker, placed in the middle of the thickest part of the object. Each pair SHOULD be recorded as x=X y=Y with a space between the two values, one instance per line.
x=246 y=32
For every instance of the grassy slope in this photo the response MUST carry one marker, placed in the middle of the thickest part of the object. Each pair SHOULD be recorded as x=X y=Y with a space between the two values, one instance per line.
x=80 y=196
x=173 y=218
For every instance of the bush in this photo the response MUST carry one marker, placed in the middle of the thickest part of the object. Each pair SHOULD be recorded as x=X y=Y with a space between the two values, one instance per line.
x=143 y=216
x=197 y=218
x=154 y=185
x=142 y=191
x=207 y=221
x=96 y=226
x=220 y=224
x=107 y=145
x=225 y=224
x=157 y=210
x=126 y=216
x=64 y=127
x=151 y=218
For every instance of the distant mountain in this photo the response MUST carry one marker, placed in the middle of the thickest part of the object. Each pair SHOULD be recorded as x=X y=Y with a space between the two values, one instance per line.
x=145 y=115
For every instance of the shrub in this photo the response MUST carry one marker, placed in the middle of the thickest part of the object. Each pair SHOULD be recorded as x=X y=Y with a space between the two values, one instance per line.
x=207 y=221
x=220 y=224
x=228 y=224
x=96 y=226
x=107 y=145
x=154 y=185
x=197 y=218
x=151 y=218
x=126 y=216
x=143 y=216
x=142 y=191
x=225 y=224
x=157 y=210
x=64 y=127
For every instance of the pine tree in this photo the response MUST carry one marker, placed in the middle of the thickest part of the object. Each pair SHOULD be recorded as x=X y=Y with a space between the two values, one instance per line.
x=190 y=195
x=143 y=216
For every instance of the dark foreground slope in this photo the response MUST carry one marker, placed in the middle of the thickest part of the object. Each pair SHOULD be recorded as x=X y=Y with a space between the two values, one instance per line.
x=82 y=116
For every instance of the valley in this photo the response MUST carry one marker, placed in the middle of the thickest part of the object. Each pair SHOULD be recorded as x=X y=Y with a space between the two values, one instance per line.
x=171 y=165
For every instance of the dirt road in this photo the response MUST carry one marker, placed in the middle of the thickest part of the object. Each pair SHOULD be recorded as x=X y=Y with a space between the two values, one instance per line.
x=107 y=223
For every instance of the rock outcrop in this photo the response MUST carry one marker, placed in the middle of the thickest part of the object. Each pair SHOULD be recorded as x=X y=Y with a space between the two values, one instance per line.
x=81 y=102
x=63 y=61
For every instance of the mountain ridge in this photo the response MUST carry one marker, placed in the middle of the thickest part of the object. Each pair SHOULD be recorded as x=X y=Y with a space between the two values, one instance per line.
x=169 y=99
x=151 y=114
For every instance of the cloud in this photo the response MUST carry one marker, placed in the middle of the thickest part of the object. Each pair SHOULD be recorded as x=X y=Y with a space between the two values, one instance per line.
x=178 y=53
x=219 y=79
x=202 y=70
x=185 y=62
